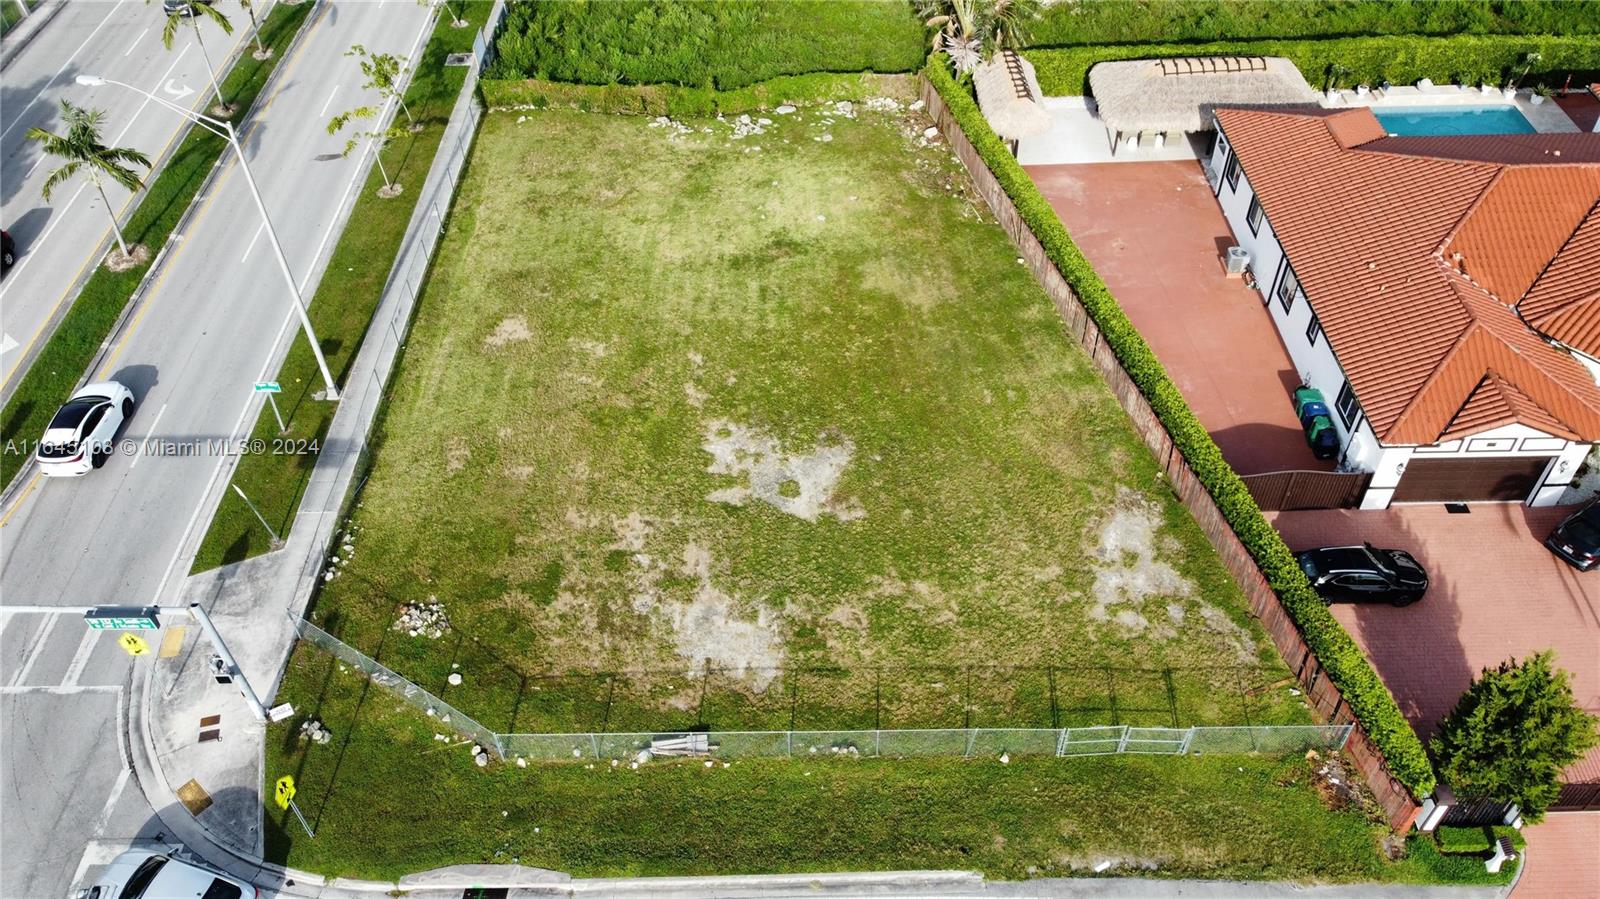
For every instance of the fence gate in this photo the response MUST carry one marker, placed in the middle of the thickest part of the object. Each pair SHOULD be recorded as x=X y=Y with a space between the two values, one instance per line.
x=1105 y=740
x=1284 y=491
x=1159 y=740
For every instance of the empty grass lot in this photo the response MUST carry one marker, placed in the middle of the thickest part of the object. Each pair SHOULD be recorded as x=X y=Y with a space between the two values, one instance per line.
x=676 y=404
x=796 y=417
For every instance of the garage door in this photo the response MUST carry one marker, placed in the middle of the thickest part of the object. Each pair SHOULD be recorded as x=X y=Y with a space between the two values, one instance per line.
x=1464 y=480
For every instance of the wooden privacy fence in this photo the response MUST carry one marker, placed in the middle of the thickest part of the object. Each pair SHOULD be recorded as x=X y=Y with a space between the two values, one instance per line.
x=1325 y=700
x=1285 y=491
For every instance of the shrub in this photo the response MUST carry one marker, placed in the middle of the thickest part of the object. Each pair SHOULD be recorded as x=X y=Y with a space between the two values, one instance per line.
x=1139 y=21
x=1512 y=732
x=672 y=100
x=724 y=45
x=1363 y=691
x=1372 y=60
x=1475 y=840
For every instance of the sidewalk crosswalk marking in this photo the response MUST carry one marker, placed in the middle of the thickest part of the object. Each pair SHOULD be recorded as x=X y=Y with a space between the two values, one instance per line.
x=36 y=649
x=81 y=657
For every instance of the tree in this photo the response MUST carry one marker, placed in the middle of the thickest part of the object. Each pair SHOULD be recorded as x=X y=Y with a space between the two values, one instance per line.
x=380 y=136
x=384 y=73
x=457 y=19
x=255 y=29
x=1512 y=732
x=80 y=146
x=193 y=10
x=972 y=31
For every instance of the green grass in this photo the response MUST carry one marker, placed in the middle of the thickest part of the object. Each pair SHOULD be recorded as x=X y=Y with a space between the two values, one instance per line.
x=725 y=45
x=590 y=329
x=10 y=15
x=342 y=308
x=1139 y=21
x=68 y=352
x=387 y=799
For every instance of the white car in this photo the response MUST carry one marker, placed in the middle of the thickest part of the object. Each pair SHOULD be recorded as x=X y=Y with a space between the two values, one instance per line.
x=141 y=874
x=81 y=435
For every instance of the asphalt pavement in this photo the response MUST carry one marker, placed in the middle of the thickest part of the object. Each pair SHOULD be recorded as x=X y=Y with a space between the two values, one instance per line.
x=59 y=242
x=215 y=319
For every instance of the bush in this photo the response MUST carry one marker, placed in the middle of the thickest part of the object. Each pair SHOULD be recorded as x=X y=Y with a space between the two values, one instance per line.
x=672 y=100
x=1343 y=662
x=1512 y=733
x=724 y=45
x=1138 y=21
x=1468 y=59
x=1475 y=840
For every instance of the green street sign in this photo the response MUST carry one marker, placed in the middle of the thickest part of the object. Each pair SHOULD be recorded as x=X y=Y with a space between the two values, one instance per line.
x=268 y=387
x=123 y=618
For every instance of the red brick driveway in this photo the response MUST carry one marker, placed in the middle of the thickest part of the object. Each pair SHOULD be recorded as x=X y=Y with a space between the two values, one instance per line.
x=1563 y=858
x=1154 y=233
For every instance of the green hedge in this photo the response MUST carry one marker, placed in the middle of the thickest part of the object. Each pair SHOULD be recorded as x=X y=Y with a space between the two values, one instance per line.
x=671 y=100
x=1467 y=59
x=1475 y=840
x=724 y=45
x=1140 y=21
x=1349 y=669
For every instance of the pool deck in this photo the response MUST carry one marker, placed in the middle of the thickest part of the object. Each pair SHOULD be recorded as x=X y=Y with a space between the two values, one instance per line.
x=1546 y=117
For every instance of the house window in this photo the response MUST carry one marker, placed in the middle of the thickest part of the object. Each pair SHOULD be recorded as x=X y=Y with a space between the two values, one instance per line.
x=1287 y=288
x=1253 y=217
x=1231 y=173
x=1313 y=331
x=1349 y=409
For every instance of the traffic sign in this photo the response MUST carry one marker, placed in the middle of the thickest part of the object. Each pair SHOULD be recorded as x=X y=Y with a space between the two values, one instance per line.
x=283 y=791
x=123 y=618
x=133 y=644
x=268 y=387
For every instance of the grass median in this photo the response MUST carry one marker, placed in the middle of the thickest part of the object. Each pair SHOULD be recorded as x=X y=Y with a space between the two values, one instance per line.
x=342 y=307
x=65 y=356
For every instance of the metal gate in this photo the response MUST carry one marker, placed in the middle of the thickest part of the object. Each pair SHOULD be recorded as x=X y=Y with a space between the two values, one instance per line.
x=1106 y=740
x=1284 y=491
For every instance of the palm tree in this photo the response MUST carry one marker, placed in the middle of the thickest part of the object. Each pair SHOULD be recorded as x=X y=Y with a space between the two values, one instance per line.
x=255 y=29
x=971 y=31
x=193 y=10
x=80 y=146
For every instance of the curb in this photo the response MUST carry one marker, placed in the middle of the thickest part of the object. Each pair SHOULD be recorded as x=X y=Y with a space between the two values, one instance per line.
x=9 y=51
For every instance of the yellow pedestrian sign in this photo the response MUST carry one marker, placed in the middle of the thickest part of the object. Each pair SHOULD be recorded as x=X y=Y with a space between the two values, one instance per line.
x=283 y=793
x=133 y=644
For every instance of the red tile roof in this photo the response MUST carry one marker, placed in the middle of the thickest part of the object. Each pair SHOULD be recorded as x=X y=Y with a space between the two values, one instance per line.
x=1415 y=263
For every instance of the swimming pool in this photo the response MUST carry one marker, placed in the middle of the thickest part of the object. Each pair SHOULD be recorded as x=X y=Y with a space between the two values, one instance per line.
x=1435 y=120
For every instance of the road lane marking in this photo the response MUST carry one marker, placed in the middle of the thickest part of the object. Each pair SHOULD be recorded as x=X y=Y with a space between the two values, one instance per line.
x=137 y=40
x=58 y=219
x=61 y=691
x=63 y=68
x=80 y=658
x=328 y=102
x=36 y=163
x=36 y=649
x=145 y=446
x=21 y=497
x=259 y=228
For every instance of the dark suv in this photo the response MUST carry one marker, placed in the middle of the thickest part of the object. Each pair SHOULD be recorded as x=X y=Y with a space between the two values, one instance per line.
x=1577 y=540
x=1364 y=574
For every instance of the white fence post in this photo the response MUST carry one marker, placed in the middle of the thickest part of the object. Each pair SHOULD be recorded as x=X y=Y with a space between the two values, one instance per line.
x=1061 y=743
x=1122 y=744
x=1188 y=738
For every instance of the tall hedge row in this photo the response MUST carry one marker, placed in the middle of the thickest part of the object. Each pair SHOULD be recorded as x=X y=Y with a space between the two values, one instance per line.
x=723 y=45
x=1401 y=59
x=1140 y=21
x=1368 y=698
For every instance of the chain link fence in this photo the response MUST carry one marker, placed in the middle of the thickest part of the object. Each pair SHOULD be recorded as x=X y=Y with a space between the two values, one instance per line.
x=964 y=742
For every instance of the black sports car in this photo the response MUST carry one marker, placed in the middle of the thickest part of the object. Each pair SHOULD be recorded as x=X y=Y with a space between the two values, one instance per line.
x=1364 y=574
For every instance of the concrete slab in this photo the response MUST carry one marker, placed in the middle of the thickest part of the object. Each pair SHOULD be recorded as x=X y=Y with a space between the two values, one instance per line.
x=1077 y=136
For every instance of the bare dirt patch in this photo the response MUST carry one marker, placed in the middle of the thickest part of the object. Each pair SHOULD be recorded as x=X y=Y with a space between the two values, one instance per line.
x=800 y=484
x=510 y=330
x=1131 y=571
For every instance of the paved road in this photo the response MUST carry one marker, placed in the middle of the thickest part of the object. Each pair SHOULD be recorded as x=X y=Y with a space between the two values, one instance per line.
x=214 y=321
x=57 y=241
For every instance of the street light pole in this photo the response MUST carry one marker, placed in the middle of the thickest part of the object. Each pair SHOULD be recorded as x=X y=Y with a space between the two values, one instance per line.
x=224 y=129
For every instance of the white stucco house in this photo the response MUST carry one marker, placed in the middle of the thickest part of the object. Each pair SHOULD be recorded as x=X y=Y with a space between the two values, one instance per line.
x=1442 y=292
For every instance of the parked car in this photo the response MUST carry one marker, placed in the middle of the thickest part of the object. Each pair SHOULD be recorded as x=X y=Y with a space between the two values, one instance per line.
x=142 y=874
x=81 y=434
x=8 y=252
x=1364 y=574
x=1577 y=539
x=182 y=6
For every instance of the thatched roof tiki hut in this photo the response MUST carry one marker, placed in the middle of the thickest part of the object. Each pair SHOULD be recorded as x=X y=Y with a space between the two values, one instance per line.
x=1174 y=96
x=1008 y=93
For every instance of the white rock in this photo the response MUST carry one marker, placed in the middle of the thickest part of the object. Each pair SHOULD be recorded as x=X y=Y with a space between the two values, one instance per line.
x=577 y=753
x=522 y=762
x=785 y=109
x=826 y=138
x=918 y=106
x=709 y=763
x=481 y=759
x=454 y=679
x=642 y=757
x=1005 y=758
x=930 y=132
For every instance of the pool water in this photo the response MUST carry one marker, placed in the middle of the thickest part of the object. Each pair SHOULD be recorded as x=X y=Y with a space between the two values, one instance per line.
x=1433 y=120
